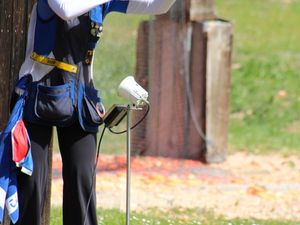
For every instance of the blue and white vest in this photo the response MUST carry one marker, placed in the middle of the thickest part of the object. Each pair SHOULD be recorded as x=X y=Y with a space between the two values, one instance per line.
x=61 y=97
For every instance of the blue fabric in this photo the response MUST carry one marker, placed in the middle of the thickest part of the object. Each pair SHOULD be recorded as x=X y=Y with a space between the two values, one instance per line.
x=46 y=24
x=91 y=94
x=92 y=45
x=80 y=97
x=51 y=105
x=96 y=14
x=8 y=170
x=45 y=30
x=12 y=203
x=5 y=164
x=44 y=11
x=7 y=167
x=82 y=94
x=116 y=6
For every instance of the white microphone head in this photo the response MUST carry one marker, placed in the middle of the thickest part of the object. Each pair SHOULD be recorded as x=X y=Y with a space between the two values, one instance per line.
x=132 y=91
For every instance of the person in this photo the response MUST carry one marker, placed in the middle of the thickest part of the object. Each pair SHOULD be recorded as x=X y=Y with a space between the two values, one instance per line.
x=62 y=37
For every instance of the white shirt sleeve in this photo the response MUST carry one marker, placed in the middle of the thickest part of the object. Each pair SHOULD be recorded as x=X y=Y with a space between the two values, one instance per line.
x=69 y=9
x=149 y=6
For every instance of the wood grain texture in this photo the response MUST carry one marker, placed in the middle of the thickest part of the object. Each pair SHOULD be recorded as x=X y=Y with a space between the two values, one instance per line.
x=170 y=130
x=196 y=144
x=14 y=21
x=202 y=10
x=219 y=49
x=138 y=139
x=6 y=27
x=155 y=45
x=189 y=74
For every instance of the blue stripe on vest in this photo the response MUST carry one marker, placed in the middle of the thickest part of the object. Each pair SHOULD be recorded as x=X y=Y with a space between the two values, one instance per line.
x=45 y=30
x=117 y=6
x=44 y=10
x=96 y=16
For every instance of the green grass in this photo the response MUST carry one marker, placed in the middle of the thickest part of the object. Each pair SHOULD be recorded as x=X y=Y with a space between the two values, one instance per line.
x=115 y=56
x=266 y=60
x=177 y=216
x=115 y=60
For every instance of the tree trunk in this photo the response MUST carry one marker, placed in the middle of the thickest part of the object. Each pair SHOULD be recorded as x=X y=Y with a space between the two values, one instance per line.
x=14 y=21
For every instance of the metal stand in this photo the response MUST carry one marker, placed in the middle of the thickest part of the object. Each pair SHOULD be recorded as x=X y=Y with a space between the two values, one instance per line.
x=113 y=117
x=128 y=175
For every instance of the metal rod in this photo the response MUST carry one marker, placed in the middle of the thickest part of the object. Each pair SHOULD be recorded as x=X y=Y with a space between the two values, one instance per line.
x=128 y=178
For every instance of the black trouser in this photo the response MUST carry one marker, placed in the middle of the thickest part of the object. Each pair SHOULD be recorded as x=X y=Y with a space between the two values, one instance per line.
x=78 y=150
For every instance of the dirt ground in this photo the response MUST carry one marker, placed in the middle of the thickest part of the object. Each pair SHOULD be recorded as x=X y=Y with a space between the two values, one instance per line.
x=247 y=186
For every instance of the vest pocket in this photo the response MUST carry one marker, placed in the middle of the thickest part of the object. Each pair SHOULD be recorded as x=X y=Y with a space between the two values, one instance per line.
x=54 y=104
x=92 y=107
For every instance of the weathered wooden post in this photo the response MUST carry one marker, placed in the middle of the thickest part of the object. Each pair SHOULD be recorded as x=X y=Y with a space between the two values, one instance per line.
x=14 y=20
x=183 y=59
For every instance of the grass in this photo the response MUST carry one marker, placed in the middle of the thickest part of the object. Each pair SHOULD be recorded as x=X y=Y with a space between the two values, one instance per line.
x=265 y=82
x=115 y=56
x=177 y=216
x=265 y=93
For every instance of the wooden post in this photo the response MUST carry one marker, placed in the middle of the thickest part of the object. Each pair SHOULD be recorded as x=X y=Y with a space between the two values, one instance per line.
x=180 y=51
x=138 y=142
x=219 y=48
x=14 y=18
x=14 y=21
x=202 y=10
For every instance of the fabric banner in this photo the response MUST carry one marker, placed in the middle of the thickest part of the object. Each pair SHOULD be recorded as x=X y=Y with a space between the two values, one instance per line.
x=14 y=138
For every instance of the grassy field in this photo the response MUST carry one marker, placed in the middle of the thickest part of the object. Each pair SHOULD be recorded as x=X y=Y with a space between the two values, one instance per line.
x=265 y=94
x=171 y=217
x=265 y=99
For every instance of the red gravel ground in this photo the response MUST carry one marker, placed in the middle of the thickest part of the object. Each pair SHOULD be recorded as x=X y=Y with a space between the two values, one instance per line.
x=244 y=186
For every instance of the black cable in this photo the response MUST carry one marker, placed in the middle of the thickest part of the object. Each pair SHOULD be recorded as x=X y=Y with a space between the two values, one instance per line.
x=98 y=152
x=135 y=125
x=94 y=175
